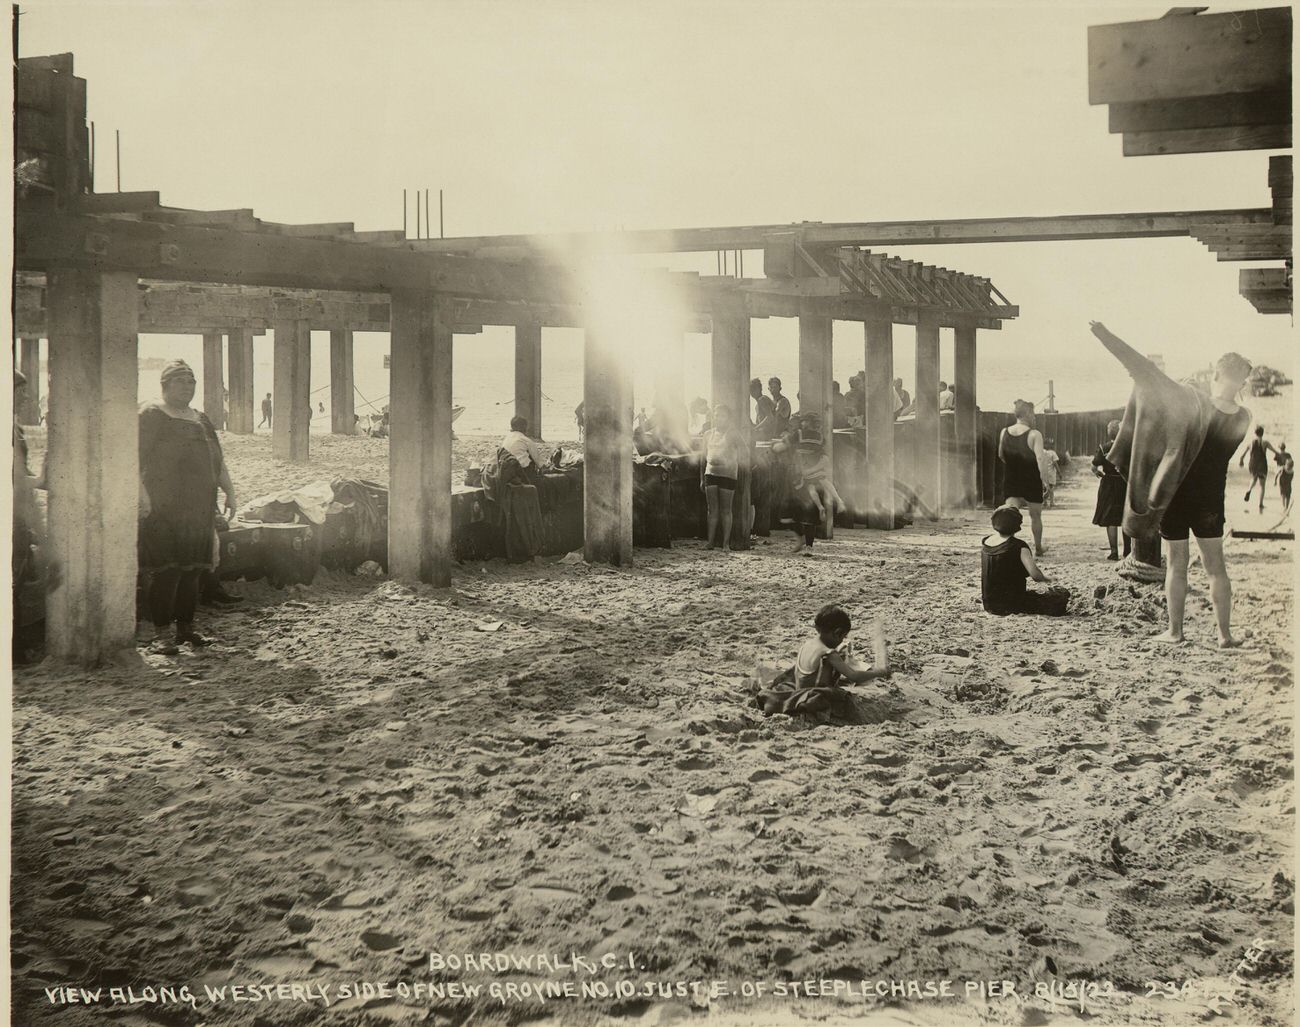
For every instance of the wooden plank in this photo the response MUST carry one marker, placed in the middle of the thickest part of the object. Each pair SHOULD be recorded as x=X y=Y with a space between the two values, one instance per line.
x=240 y=349
x=1280 y=170
x=1173 y=58
x=29 y=363
x=607 y=473
x=1245 y=253
x=243 y=220
x=1263 y=278
x=37 y=131
x=1207 y=140
x=1272 y=107
x=178 y=253
x=214 y=386
x=528 y=376
x=324 y=230
x=342 y=405
x=94 y=477
x=59 y=62
x=291 y=386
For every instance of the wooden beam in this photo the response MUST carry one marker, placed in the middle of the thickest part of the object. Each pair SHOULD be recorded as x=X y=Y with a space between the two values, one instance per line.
x=1207 y=140
x=177 y=253
x=1174 y=58
x=240 y=349
x=342 y=406
x=290 y=437
x=419 y=451
x=879 y=471
x=528 y=376
x=214 y=386
x=965 y=380
x=925 y=458
x=607 y=468
x=1248 y=253
x=1272 y=107
x=94 y=476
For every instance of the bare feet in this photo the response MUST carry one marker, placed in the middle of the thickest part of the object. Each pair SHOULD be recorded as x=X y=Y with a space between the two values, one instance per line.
x=1231 y=643
x=798 y=546
x=1113 y=555
x=1168 y=638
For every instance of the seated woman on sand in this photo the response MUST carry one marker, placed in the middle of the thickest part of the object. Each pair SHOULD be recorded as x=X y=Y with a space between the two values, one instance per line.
x=1005 y=563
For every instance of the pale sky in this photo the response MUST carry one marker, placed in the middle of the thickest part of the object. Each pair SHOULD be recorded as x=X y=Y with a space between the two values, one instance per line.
x=545 y=116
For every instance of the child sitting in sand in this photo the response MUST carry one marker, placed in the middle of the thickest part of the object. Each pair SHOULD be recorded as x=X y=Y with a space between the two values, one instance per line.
x=1005 y=563
x=822 y=664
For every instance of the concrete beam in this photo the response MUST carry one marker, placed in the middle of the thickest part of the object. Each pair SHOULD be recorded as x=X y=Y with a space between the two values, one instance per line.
x=528 y=376
x=214 y=385
x=815 y=371
x=607 y=472
x=292 y=391
x=93 y=465
x=29 y=363
x=926 y=456
x=419 y=449
x=730 y=366
x=967 y=427
x=879 y=472
x=240 y=350
x=342 y=406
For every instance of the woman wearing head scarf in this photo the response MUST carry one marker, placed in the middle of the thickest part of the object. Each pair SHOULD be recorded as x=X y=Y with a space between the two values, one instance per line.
x=180 y=469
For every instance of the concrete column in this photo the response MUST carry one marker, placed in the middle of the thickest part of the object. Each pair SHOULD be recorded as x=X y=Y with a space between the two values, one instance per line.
x=29 y=362
x=879 y=362
x=214 y=380
x=967 y=491
x=93 y=463
x=607 y=470
x=926 y=457
x=239 y=348
x=730 y=363
x=342 y=408
x=815 y=383
x=291 y=392
x=669 y=394
x=528 y=376
x=419 y=447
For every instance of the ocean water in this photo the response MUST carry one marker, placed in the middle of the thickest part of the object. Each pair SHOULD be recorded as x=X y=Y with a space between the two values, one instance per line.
x=483 y=371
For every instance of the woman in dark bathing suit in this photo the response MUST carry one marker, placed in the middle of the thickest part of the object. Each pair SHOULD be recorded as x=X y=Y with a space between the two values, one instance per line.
x=1019 y=449
x=1197 y=506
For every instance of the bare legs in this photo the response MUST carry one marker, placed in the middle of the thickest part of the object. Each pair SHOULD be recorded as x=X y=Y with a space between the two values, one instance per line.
x=1176 y=552
x=720 y=510
x=1261 y=481
x=1112 y=536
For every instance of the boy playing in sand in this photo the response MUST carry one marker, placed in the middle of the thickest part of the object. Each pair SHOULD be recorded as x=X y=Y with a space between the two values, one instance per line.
x=822 y=664
x=814 y=492
x=1005 y=563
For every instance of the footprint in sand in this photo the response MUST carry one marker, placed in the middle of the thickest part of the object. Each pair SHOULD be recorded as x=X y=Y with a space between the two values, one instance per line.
x=378 y=941
x=196 y=891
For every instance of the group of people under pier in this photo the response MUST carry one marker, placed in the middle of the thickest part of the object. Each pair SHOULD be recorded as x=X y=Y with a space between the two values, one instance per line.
x=1162 y=474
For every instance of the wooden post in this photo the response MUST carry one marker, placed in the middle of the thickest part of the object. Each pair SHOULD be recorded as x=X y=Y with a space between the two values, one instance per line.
x=342 y=409
x=528 y=376
x=879 y=472
x=93 y=463
x=815 y=385
x=214 y=380
x=292 y=390
x=239 y=349
x=419 y=448
x=730 y=363
x=29 y=362
x=607 y=470
x=964 y=377
x=926 y=457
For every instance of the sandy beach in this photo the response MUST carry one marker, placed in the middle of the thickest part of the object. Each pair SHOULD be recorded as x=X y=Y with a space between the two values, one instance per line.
x=363 y=774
